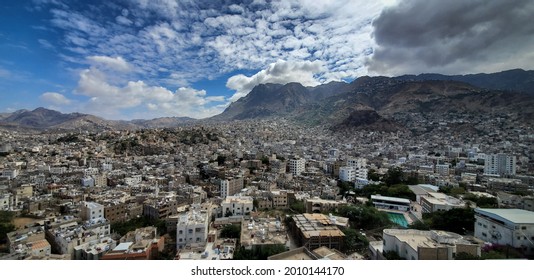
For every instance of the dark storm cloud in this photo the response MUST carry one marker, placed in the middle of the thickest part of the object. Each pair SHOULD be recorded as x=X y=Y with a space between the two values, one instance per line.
x=453 y=36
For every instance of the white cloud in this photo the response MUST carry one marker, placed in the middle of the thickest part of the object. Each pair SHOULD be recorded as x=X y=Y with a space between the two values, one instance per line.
x=111 y=100
x=55 y=99
x=281 y=72
x=115 y=63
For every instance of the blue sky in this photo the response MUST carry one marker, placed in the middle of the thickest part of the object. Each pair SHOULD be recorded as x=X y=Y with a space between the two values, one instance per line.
x=133 y=59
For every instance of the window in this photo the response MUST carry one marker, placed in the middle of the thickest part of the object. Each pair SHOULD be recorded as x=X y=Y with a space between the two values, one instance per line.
x=180 y=232
x=198 y=230
x=190 y=231
x=484 y=234
x=180 y=240
x=523 y=227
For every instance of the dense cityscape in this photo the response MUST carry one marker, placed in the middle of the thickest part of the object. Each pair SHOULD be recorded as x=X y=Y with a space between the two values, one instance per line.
x=266 y=189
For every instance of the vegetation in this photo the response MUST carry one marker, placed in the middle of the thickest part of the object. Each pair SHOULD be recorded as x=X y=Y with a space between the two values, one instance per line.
x=124 y=227
x=6 y=225
x=231 y=231
x=364 y=217
x=298 y=206
x=482 y=201
x=399 y=190
x=458 y=220
x=354 y=241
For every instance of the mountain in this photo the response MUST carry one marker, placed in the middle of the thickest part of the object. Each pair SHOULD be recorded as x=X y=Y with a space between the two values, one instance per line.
x=45 y=119
x=517 y=80
x=275 y=100
x=380 y=103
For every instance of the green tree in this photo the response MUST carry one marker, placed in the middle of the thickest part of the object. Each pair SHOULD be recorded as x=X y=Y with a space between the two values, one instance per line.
x=231 y=231
x=394 y=176
x=6 y=224
x=298 y=206
x=458 y=220
x=373 y=176
x=354 y=241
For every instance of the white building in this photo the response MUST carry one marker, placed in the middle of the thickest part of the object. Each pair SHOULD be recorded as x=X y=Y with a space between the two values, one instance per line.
x=514 y=227
x=500 y=164
x=5 y=201
x=10 y=173
x=297 y=166
x=390 y=203
x=347 y=173
x=134 y=180
x=107 y=166
x=442 y=169
x=237 y=205
x=192 y=228
x=87 y=182
x=90 y=171
x=58 y=170
x=92 y=211
x=413 y=244
x=436 y=201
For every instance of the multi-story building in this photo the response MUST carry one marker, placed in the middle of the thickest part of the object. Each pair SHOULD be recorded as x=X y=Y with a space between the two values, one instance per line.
x=297 y=166
x=500 y=164
x=192 y=228
x=347 y=173
x=435 y=201
x=231 y=186
x=390 y=203
x=413 y=244
x=512 y=227
x=92 y=211
x=317 y=205
x=315 y=230
x=141 y=244
x=442 y=169
x=279 y=199
x=237 y=205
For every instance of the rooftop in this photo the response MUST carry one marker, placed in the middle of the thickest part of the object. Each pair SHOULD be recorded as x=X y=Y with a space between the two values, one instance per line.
x=515 y=216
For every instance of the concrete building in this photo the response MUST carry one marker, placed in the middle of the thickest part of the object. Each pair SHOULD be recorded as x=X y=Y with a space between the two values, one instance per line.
x=231 y=186
x=513 y=227
x=413 y=244
x=92 y=211
x=237 y=205
x=390 y=203
x=318 y=205
x=442 y=169
x=347 y=173
x=94 y=250
x=315 y=230
x=297 y=166
x=435 y=201
x=141 y=244
x=192 y=228
x=500 y=164
x=263 y=231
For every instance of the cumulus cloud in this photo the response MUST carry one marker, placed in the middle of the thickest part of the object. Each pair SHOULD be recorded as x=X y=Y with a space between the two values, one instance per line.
x=454 y=37
x=181 y=42
x=280 y=72
x=55 y=99
x=111 y=100
x=114 y=63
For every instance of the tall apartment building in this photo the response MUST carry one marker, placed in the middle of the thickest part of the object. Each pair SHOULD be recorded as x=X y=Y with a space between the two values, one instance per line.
x=297 y=166
x=92 y=211
x=500 y=164
x=231 y=186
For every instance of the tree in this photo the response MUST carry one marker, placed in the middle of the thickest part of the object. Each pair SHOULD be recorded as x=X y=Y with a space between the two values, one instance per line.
x=394 y=176
x=298 y=206
x=354 y=240
x=373 y=176
x=231 y=231
x=458 y=220
x=6 y=225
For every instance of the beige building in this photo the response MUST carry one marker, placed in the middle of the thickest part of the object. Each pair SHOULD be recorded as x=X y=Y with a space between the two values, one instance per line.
x=316 y=230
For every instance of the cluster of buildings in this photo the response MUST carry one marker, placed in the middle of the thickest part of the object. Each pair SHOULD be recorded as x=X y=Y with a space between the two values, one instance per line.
x=197 y=179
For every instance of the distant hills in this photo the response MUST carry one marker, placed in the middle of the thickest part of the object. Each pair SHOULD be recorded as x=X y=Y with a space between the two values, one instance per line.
x=373 y=103
x=46 y=119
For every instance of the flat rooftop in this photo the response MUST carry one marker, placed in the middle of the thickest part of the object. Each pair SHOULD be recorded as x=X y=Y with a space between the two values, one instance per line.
x=515 y=216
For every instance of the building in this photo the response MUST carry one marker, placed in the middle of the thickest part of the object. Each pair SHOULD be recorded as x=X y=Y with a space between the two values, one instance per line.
x=231 y=186
x=257 y=232
x=192 y=228
x=297 y=166
x=500 y=164
x=237 y=205
x=141 y=244
x=435 y=201
x=92 y=211
x=316 y=230
x=442 y=169
x=94 y=250
x=413 y=244
x=513 y=227
x=302 y=253
x=318 y=205
x=347 y=173
x=390 y=203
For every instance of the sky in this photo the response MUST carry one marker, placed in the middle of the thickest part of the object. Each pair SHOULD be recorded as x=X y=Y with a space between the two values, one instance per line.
x=143 y=59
